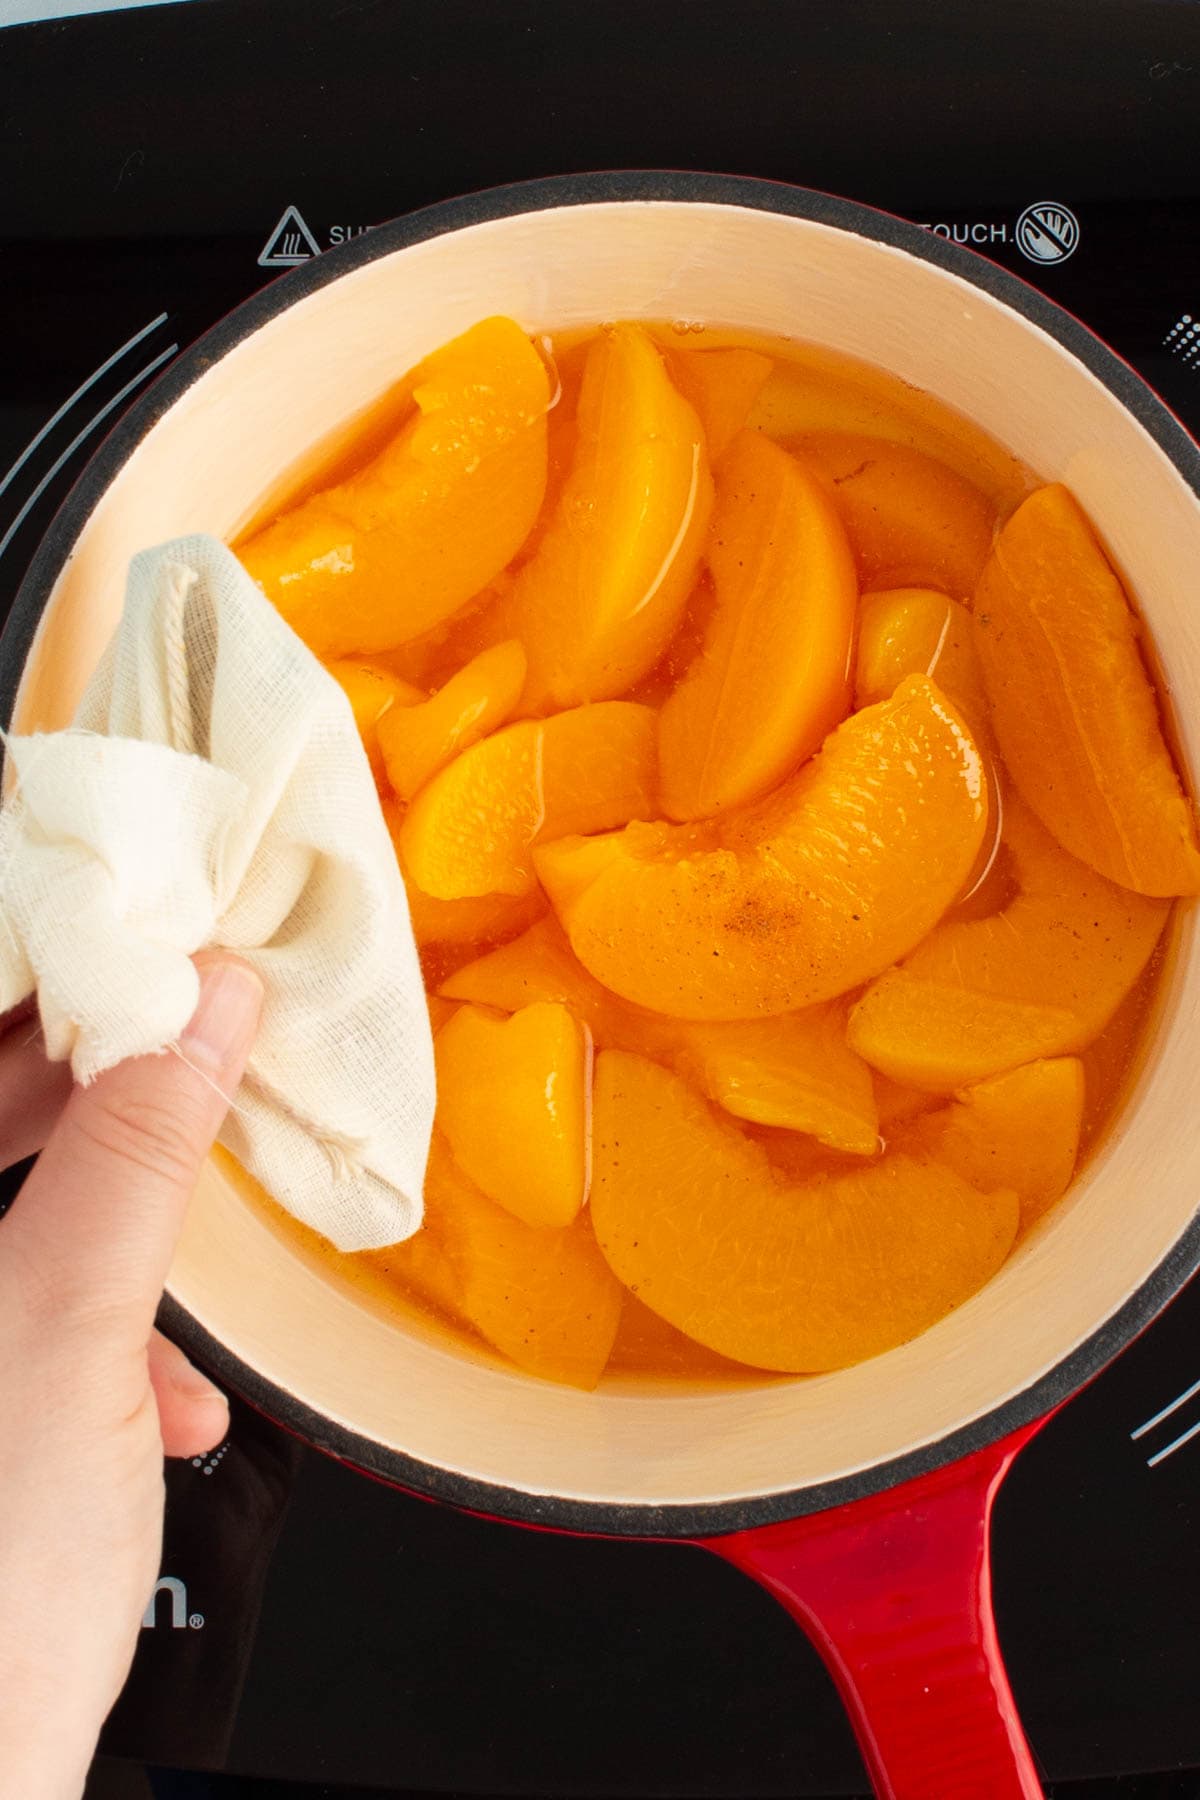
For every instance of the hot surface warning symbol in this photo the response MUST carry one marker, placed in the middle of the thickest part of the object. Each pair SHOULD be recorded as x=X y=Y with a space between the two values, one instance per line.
x=290 y=242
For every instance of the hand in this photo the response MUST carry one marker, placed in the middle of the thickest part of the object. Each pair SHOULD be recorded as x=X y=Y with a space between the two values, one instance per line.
x=91 y=1397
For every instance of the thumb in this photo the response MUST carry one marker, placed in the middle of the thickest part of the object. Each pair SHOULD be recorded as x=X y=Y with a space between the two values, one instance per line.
x=95 y=1226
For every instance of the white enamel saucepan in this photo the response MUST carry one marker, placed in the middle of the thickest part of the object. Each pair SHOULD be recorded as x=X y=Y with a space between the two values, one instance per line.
x=860 y=1498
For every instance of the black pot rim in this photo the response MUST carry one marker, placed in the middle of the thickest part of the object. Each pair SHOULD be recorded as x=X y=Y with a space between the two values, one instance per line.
x=705 y=1518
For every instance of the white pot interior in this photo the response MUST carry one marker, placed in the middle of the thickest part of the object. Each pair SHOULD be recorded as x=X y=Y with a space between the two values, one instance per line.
x=205 y=466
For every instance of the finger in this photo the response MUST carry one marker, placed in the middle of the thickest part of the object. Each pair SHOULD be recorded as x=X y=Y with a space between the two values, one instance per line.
x=97 y=1221
x=33 y=1092
x=192 y=1414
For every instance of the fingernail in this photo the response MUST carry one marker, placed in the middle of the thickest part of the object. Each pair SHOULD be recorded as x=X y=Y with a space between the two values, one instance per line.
x=230 y=998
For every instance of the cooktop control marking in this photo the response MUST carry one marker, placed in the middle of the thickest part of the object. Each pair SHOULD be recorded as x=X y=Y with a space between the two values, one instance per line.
x=1183 y=339
x=290 y=242
x=1047 y=231
x=80 y=391
x=1175 y=1444
x=79 y=438
x=207 y=1464
x=1150 y=1424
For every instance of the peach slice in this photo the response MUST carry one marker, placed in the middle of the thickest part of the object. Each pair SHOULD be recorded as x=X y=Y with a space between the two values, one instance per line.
x=1112 y=1060
x=911 y=521
x=544 y=1298
x=918 y=631
x=793 y=1071
x=798 y=1277
x=771 y=677
x=423 y=1269
x=798 y=898
x=1073 y=708
x=601 y=596
x=722 y=386
x=513 y=1100
x=483 y=919
x=373 y=692
x=815 y=390
x=1041 y=978
x=647 y=1345
x=1019 y=1130
x=441 y=1011
x=471 y=829
x=538 y=965
x=895 y=1104
x=417 y=741
x=403 y=543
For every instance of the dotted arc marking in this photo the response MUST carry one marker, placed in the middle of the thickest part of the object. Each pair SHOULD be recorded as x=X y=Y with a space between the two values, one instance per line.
x=1183 y=339
x=207 y=1464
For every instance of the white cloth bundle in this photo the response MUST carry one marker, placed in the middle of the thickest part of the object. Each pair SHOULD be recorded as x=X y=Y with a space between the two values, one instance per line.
x=213 y=791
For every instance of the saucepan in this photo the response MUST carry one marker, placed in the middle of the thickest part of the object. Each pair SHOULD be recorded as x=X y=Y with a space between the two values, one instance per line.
x=861 y=1498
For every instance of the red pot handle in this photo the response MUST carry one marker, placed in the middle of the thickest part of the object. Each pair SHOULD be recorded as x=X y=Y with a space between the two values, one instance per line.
x=895 y=1592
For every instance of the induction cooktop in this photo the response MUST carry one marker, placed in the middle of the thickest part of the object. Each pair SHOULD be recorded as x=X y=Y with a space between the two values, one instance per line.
x=156 y=167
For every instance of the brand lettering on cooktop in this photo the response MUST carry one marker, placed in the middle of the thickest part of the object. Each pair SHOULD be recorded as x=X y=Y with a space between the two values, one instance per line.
x=179 y=1618
x=968 y=231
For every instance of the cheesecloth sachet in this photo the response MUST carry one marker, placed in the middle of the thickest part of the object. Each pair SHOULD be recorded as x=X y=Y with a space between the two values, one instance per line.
x=213 y=790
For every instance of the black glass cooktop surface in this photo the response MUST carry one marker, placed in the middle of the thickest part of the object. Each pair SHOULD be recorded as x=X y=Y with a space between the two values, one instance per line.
x=156 y=167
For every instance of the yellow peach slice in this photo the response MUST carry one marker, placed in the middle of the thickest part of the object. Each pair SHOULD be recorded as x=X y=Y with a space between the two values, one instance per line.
x=800 y=1277
x=472 y=828
x=937 y=1036
x=417 y=741
x=722 y=386
x=373 y=692
x=918 y=631
x=513 y=1101
x=647 y=1345
x=895 y=1104
x=911 y=521
x=794 y=900
x=544 y=1298
x=483 y=919
x=815 y=390
x=1073 y=707
x=771 y=676
x=1113 y=1059
x=793 y=1071
x=1040 y=978
x=441 y=1011
x=422 y=1269
x=602 y=594
x=394 y=549
x=1019 y=1130
x=538 y=965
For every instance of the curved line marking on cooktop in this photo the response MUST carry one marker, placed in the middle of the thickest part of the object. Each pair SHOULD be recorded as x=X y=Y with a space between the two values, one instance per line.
x=71 y=448
x=1176 y=1444
x=1174 y=1406
x=80 y=391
